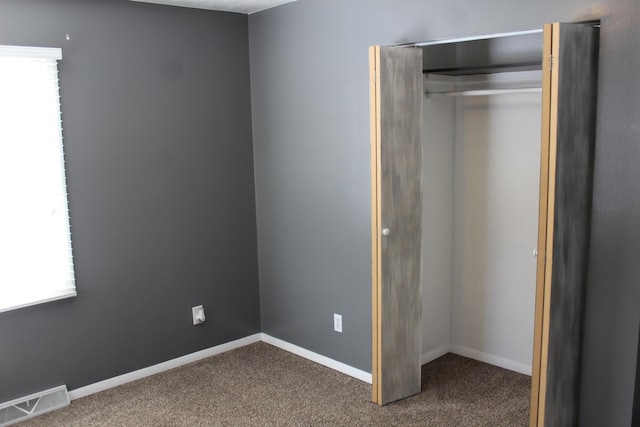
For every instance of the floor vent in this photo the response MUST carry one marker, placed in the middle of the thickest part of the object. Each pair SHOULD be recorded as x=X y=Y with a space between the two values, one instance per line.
x=33 y=405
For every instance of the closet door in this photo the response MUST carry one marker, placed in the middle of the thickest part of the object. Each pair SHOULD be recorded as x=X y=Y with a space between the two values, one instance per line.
x=568 y=135
x=396 y=196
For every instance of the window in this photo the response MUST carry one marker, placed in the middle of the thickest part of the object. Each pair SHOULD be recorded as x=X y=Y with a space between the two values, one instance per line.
x=36 y=263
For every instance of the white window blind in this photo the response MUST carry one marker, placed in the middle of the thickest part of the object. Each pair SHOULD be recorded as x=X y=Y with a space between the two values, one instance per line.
x=36 y=263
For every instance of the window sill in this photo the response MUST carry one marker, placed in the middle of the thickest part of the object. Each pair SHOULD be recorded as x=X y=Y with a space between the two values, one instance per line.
x=16 y=303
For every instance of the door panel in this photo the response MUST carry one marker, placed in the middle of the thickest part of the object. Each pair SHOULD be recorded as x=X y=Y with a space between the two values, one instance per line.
x=570 y=79
x=396 y=98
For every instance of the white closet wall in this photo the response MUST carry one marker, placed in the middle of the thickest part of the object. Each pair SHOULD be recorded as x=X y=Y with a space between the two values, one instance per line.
x=438 y=135
x=481 y=173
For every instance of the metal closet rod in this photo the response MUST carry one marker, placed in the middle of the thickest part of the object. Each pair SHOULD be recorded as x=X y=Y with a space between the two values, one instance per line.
x=484 y=92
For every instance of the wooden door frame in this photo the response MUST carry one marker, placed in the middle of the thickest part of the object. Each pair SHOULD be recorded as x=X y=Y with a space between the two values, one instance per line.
x=544 y=262
x=376 y=207
x=545 y=232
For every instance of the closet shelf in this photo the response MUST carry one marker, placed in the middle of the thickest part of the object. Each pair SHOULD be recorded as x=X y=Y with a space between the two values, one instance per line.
x=486 y=69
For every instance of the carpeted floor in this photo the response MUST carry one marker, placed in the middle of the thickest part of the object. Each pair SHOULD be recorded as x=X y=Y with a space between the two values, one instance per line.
x=262 y=385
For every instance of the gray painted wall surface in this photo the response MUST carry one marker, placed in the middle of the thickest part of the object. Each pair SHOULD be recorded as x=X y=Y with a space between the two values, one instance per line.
x=309 y=79
x=157 y=126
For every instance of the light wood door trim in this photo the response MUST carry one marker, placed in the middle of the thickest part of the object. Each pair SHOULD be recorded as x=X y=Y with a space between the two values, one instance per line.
x=548 y=283
x=545 y=233
x=376 y=261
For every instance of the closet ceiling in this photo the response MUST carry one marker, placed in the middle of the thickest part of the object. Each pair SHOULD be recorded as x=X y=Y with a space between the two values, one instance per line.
x=521 y=51
x=238 y=6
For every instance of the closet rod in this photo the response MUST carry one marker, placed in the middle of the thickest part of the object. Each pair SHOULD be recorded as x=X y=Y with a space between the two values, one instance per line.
x=484 y=92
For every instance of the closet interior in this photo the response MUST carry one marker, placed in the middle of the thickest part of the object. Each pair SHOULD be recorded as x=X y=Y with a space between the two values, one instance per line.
x=481 y=129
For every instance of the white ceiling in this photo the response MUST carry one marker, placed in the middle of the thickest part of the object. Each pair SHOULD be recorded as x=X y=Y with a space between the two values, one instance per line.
x=239 y=6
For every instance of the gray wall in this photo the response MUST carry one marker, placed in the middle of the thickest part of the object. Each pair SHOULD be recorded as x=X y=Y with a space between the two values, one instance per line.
x=157 y=126
x=309 y=81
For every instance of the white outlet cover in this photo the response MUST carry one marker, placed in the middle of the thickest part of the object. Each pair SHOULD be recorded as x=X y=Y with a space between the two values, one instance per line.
x=337 y=323
x=196 y=312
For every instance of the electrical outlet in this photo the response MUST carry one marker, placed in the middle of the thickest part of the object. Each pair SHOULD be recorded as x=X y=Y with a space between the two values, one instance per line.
x=198 y=314
x=337 y=323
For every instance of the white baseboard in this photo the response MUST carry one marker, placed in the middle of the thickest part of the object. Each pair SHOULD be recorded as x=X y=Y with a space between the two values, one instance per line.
x=511 y=365
x=318 y=358
x=434 y=354
x=292 y=348
x=222 y=348
x=161 y=367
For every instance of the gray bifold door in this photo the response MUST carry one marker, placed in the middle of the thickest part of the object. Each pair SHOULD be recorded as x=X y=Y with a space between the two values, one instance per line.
x=569 y=87
x=396 y=155
x=569 y=68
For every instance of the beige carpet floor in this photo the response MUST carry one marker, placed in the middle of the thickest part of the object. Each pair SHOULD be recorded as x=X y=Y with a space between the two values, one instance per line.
x=260 y=385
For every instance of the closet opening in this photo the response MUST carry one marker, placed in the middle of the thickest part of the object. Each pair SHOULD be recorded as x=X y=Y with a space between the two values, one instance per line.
x=480 y=180
x=481 y=187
